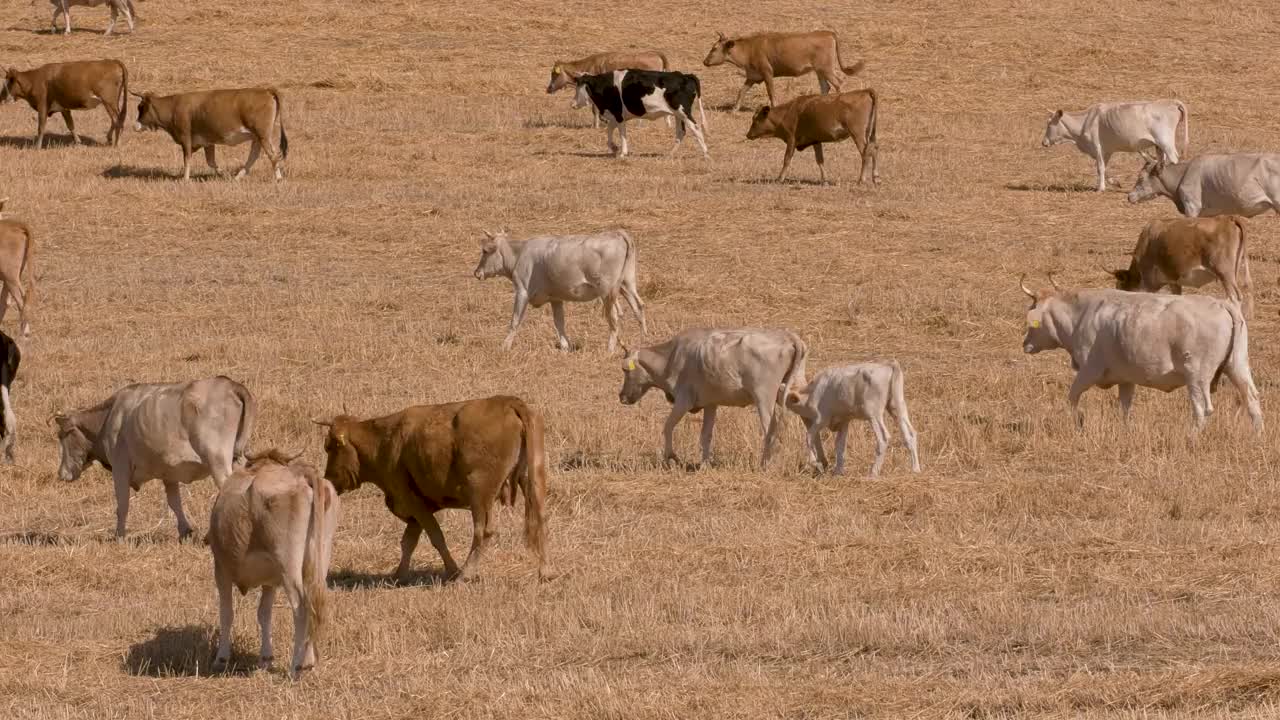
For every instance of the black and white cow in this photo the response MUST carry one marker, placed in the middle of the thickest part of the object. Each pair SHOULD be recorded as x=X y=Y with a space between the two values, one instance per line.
x=10 y=357
x=623 y=95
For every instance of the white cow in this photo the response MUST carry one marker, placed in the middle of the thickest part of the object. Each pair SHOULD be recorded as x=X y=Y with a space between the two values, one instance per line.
x=702 y=369
x=176 y=433
x=839 y=395
x=272 y=526
x=63 y=7
x=1245 y=184
x=1108 y=128
x=1153 y=340
x=565 y=268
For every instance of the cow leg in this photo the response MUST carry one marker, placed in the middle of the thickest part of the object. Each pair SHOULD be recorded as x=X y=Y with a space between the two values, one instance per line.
x=120 y=477
x=1201 y=406
x=56 y=12
x=128 y=15
x=211 y=159
x=708 y=430
x=521 y=304
x=769 y=426
x=408 y=543
x=19 y=299
x=622 y=132
x=1102 y=171
x=678 y=410
x=42 y=119
x=187 y=151
x=697 y=135
x=66 y=17
x=768 y=86
x=610 y=126
x=595 y=116
x=436 y=536
x=303 y=652
x=1085 y=379
x=173 y=493
x=255 y=149
x=909 y=437
x=479 y=533
x=817 y=456
x=265 y=603
x=742 y=93
x=10 y=425
x=1126 y=398
x=824 y=85
x=4 y=301
x=822 y=170
x=882 y=444
x=613 y=317
x=632 y=297
x=111 y=24
x=71 y=125
x=841 y=441
x=1241 y=377
x=679 y=132
x=226 y=613
x=557 y=319
x=786 y=158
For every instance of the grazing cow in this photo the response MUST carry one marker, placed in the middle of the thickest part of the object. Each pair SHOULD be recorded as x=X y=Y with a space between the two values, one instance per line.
x=839 y=395
x=63 y=8
x=8 y=371
x=564 y=71
x=770 y=55
x=63 y=87
x=176 y=433
x=209 y=118
x=436 y=457
x=811 y=120
x=624 y=95
x=1193 y=252
x=565 y=268
x=1108 y=128
x=1159 y=341
x=272 y=526
x=702 y=369
x=1245 y=184
x=17 y=269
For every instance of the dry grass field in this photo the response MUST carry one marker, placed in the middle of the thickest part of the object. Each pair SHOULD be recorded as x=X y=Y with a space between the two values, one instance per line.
x=1120 y=572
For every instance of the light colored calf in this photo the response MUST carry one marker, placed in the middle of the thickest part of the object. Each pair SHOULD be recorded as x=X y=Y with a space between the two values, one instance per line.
x=63 y=7
x=839 y=395
x=272 y=526
x=1192 y=252
x=1108 y=128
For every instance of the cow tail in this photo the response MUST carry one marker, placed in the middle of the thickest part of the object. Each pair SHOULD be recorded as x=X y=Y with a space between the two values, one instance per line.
x=853 y=69
x=27 y=271
x=284 y=139
x=248 y=414
x=663 y=57
x=533 y=483
x=1244 y=280
x=314 y=562
x=1239 y=342
x=794 y=371
x=871 y=121
x=124 y=97
x=897 y=395
x=1186 y=127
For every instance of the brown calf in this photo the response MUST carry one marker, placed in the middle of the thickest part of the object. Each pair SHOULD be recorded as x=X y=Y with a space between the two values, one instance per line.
x=435 y=457
x=17 y=269
x=197 y=120
x=811 y=120
x=63 y=87
x=765 y=56
x=565 y=72
x=1194 y=252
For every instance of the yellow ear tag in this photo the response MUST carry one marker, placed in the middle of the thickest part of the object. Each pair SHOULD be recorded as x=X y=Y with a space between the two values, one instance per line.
x=556 y=70
x=631 y=365
x=1035 y=323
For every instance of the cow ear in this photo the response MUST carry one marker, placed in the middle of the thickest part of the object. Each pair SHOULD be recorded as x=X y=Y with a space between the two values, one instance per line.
x=1057 y=115
x=728 y=45
x=720 y=36
x=793 y=397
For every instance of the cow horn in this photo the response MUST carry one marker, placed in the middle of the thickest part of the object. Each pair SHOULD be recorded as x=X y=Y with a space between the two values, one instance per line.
x=322 y=423
x=488 y=234
x=1022 y=283
x=1104 y=269
x=1053 y=282
x=136 y=94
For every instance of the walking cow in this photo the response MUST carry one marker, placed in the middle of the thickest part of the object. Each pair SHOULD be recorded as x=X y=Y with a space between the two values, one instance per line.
x=564 y=72
x=63 y=8
x=811 y=120
x=206 y=119
x=625 y=95
x=17 y=270
x=765 y=56
x=63 y=87
x=10 y=358
x=1108 y=128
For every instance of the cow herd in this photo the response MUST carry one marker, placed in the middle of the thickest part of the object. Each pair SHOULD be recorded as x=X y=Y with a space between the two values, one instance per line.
x=273 y=520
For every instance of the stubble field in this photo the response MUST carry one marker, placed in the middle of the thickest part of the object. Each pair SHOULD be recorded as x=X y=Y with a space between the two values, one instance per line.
x=1030 y=570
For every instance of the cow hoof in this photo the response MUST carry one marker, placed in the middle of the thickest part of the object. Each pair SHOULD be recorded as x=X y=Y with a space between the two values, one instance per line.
x=264 y=663
x=219 y=665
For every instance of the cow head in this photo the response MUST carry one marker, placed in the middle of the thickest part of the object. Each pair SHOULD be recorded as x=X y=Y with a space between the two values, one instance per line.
x=148 y=118
x=12 y=88
x=560 y=78
x=581 y=96
x=342 y=466
x=495 y=254
x=1150 y=183
x=762 y=124
x=797 y=401
x=636 y=381
x=1127 y=279
x=76 y=444
x=1041 y=333
x=719 y=51
x=1056 y=131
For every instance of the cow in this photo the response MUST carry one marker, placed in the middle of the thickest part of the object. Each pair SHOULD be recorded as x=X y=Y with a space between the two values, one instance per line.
x=1192 y=252
x=209 y=118
x=564 y=71
x=63 y=87
x=17 y=270
x=839 y=395
x=12 y=357
x=1104 y=129
x=705 y=368
x=272 y=526
x=624 y=95
x=455 y=455
x=565 y=268
x=1246 y=184
x=811 y=120
x=173 y=432
x=63 y=8
x=765 y=56
x=1160 y=341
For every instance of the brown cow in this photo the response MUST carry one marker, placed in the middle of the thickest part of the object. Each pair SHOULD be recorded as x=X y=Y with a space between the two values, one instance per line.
x=565 y=72
x=457 y=455
x=63 y=87
x=17 y=269
x=765 y=56
x=1191 y=251
x=811 y=120
x=63 y=7
x=205 y=119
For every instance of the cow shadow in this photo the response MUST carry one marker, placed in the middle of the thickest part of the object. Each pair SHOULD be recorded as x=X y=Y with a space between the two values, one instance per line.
x=1069 y=187
x=727 y=107
x=356 y=580
x=610 y=156
x=791 y=182
x=74 y=30
x=185 y=651
x=545 y=123
x=34 y=538
x=51 y=141
x=154 y=174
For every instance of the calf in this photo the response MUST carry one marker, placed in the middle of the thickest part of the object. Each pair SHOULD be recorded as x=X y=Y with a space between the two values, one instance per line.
x=63 y=7
x=455 y=455
x=810 y=120
x=1108 y=128
x=272 y=526
x=564 y=71
x=17 y=270
x=702 y=369
x=63 y=87
x=624 y=95
x=12 y=357
x=853 y=392
x=1245 y=184
x=765 y=56
x=174 y=432
x=1193 y=252
x=197 y=120
x=1159 y=341
x=565 y=268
